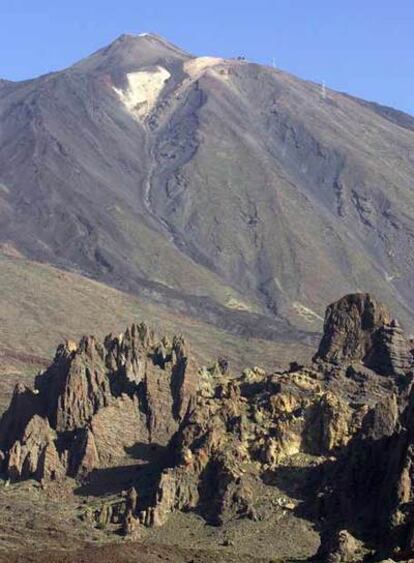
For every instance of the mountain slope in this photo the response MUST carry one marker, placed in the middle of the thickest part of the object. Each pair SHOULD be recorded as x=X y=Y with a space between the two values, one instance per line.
x=41 y=306
x=228 y=190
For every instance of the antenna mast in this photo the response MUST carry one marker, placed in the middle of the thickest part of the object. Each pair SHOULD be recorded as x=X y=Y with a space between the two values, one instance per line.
x=323 y=90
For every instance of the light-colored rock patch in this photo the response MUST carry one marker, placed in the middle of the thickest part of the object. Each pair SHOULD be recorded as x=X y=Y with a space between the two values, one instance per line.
x=305 y=312
x=196 y=67
x=143 y=90
x=233 y=303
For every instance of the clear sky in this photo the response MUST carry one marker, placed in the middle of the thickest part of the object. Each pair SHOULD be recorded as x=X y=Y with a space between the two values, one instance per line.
x=363 y=47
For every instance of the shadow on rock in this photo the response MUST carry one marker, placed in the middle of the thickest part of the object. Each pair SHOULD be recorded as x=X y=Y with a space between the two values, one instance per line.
x=143 y=475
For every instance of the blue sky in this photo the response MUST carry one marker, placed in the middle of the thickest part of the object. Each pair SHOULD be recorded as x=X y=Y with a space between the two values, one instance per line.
x=362 y=47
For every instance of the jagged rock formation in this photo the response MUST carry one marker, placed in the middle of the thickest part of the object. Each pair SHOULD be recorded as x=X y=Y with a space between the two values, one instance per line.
x=35 y=454
x=257 y=419
x=359 y=329
x=268 y=420
x=349 y=328
x=96 y=401
x=391 y=351
x=347 y=418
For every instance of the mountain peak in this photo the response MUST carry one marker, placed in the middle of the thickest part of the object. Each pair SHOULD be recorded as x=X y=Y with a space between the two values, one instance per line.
x=146 y=36
x=149 y=38
x=130 y=51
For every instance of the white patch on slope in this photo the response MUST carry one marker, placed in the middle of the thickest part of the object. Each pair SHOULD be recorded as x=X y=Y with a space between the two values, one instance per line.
x=233 y=303
x=143 y=90
x=195 y=67
x=389 y=278
x=305 y=312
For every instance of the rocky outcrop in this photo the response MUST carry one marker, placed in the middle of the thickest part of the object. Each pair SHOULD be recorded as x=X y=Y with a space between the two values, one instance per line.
x=349 y=326
x=241 y=430
x=255 y=421
x=359 y=329
x=364 y=489
x=208 y=440
x=340 y=547
x=76 y=386
x=88 y=457
x=35 y=454
x=177 y=490
x=96 y=402
x=24 y=404
x=391 y=352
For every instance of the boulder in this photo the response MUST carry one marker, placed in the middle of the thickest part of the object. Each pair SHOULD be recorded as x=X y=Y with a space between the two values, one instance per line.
x=339 y=547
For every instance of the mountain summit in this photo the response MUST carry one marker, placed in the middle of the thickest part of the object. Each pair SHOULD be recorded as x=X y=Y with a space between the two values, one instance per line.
x=228 y=190
x=129 y=52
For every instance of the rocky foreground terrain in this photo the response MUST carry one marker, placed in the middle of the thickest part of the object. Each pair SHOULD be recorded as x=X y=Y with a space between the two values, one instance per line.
x=129 y=446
